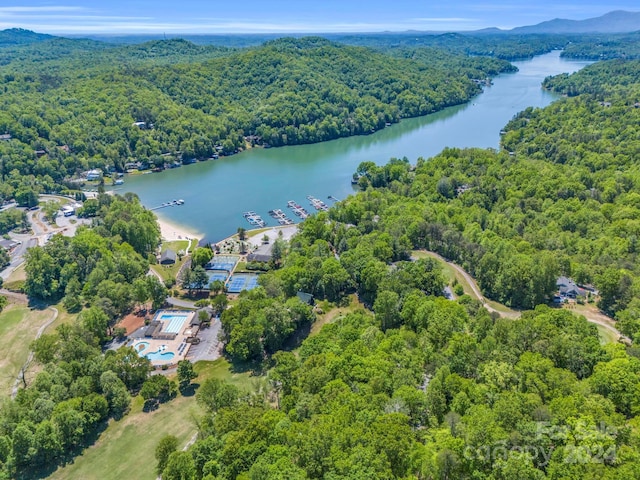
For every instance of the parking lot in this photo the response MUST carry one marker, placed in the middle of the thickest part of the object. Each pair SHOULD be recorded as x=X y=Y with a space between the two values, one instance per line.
x=209 y=348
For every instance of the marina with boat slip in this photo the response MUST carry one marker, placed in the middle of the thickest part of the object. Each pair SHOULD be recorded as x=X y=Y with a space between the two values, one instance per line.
x=281 y=217
x=261 y=179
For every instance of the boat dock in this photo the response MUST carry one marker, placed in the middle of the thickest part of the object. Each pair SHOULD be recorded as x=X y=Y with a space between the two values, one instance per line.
x=280 y=217
x=317 y=204
x=173 y=203
x=297 y=209
x=254 y=219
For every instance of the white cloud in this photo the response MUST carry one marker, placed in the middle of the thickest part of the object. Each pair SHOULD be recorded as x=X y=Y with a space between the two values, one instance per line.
x=43 y=9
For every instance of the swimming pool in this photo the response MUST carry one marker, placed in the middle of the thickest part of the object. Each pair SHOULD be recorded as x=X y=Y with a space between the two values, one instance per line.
x=160 y=355
x=173 y=321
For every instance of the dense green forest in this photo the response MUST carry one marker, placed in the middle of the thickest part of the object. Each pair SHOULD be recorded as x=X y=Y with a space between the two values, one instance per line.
x=559 y=199
x=451 y=393
x=604 y=47
x=198 y=100
x=101 y=272
x=430 y=388
x=411 y=385
x=75 y=101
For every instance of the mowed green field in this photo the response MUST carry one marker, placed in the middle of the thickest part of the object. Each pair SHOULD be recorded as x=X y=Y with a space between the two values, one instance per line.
x=126 y=449
x=18 y=328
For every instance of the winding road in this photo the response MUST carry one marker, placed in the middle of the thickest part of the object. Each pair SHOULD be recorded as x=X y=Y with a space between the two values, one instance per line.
x=592 y=316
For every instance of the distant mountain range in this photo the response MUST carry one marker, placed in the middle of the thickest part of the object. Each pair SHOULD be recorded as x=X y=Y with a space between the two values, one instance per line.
x=20 y=36
x=618 y=21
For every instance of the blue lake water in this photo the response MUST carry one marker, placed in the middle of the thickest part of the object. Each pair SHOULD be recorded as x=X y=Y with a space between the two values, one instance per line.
x=216 y=192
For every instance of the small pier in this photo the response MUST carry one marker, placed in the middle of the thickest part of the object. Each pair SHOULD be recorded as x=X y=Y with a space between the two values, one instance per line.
x=173 y=203
x=280 y=217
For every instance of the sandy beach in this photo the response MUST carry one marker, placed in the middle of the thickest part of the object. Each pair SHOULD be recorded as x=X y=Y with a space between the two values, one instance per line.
x=171 y=231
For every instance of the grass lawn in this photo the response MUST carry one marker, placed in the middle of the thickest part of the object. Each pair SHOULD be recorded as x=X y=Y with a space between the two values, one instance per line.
x=168 y=272
x=18 y=327
x=126 y=449
x=63 y=317
x=18 y=275
x=606 y=335
x=334 y=313
x=175 y=245
x=503 y=308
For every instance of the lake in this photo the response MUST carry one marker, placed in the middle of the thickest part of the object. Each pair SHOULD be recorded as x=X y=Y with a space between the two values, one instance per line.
x=216 y=192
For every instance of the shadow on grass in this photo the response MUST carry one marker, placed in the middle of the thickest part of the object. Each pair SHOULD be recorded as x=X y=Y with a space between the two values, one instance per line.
x=67 y=458
x=254 y=368
x=299 y=336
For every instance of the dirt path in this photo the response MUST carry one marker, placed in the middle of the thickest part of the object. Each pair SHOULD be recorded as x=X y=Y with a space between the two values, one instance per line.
x=19 y=297
x=589 y=313
x=41 y=330
x=474 y=287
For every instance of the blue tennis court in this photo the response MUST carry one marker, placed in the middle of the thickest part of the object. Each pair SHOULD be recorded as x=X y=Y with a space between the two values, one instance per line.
x=240 y=282
x=218 y=275
x=222 y=262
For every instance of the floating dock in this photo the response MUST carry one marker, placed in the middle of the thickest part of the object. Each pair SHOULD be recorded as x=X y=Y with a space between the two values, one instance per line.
x=317 y=204
x=280 y=217
x=297 y=209
x=254 y=219
x=173 y=203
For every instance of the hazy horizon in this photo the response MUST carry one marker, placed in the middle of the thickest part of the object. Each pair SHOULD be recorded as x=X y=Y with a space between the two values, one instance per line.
x=193 y=17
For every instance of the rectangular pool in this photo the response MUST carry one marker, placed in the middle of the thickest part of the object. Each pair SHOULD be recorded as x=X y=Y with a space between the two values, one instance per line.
x=173 y=322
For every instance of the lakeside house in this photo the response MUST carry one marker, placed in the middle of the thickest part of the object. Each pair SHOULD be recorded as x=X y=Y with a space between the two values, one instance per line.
x=168 y=257
x=94 y=175
x=567 y=288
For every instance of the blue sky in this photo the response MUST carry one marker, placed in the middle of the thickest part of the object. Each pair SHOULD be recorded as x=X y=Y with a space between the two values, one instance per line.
x=280 y=16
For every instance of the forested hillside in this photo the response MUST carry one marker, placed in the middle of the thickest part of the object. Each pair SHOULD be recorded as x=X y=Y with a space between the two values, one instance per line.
x=431 y=388
x=101 y=273
x=604 y=47
x=560 y=202
x=407 y=384
x=285 y=92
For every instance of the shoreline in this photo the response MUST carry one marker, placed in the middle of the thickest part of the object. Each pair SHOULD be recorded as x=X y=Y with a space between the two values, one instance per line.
x=252 y=235
x=171 y=231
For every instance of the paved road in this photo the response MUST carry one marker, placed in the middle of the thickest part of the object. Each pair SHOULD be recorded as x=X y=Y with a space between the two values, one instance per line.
x=474 y=287
x=17 y=257
x=177 y=302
